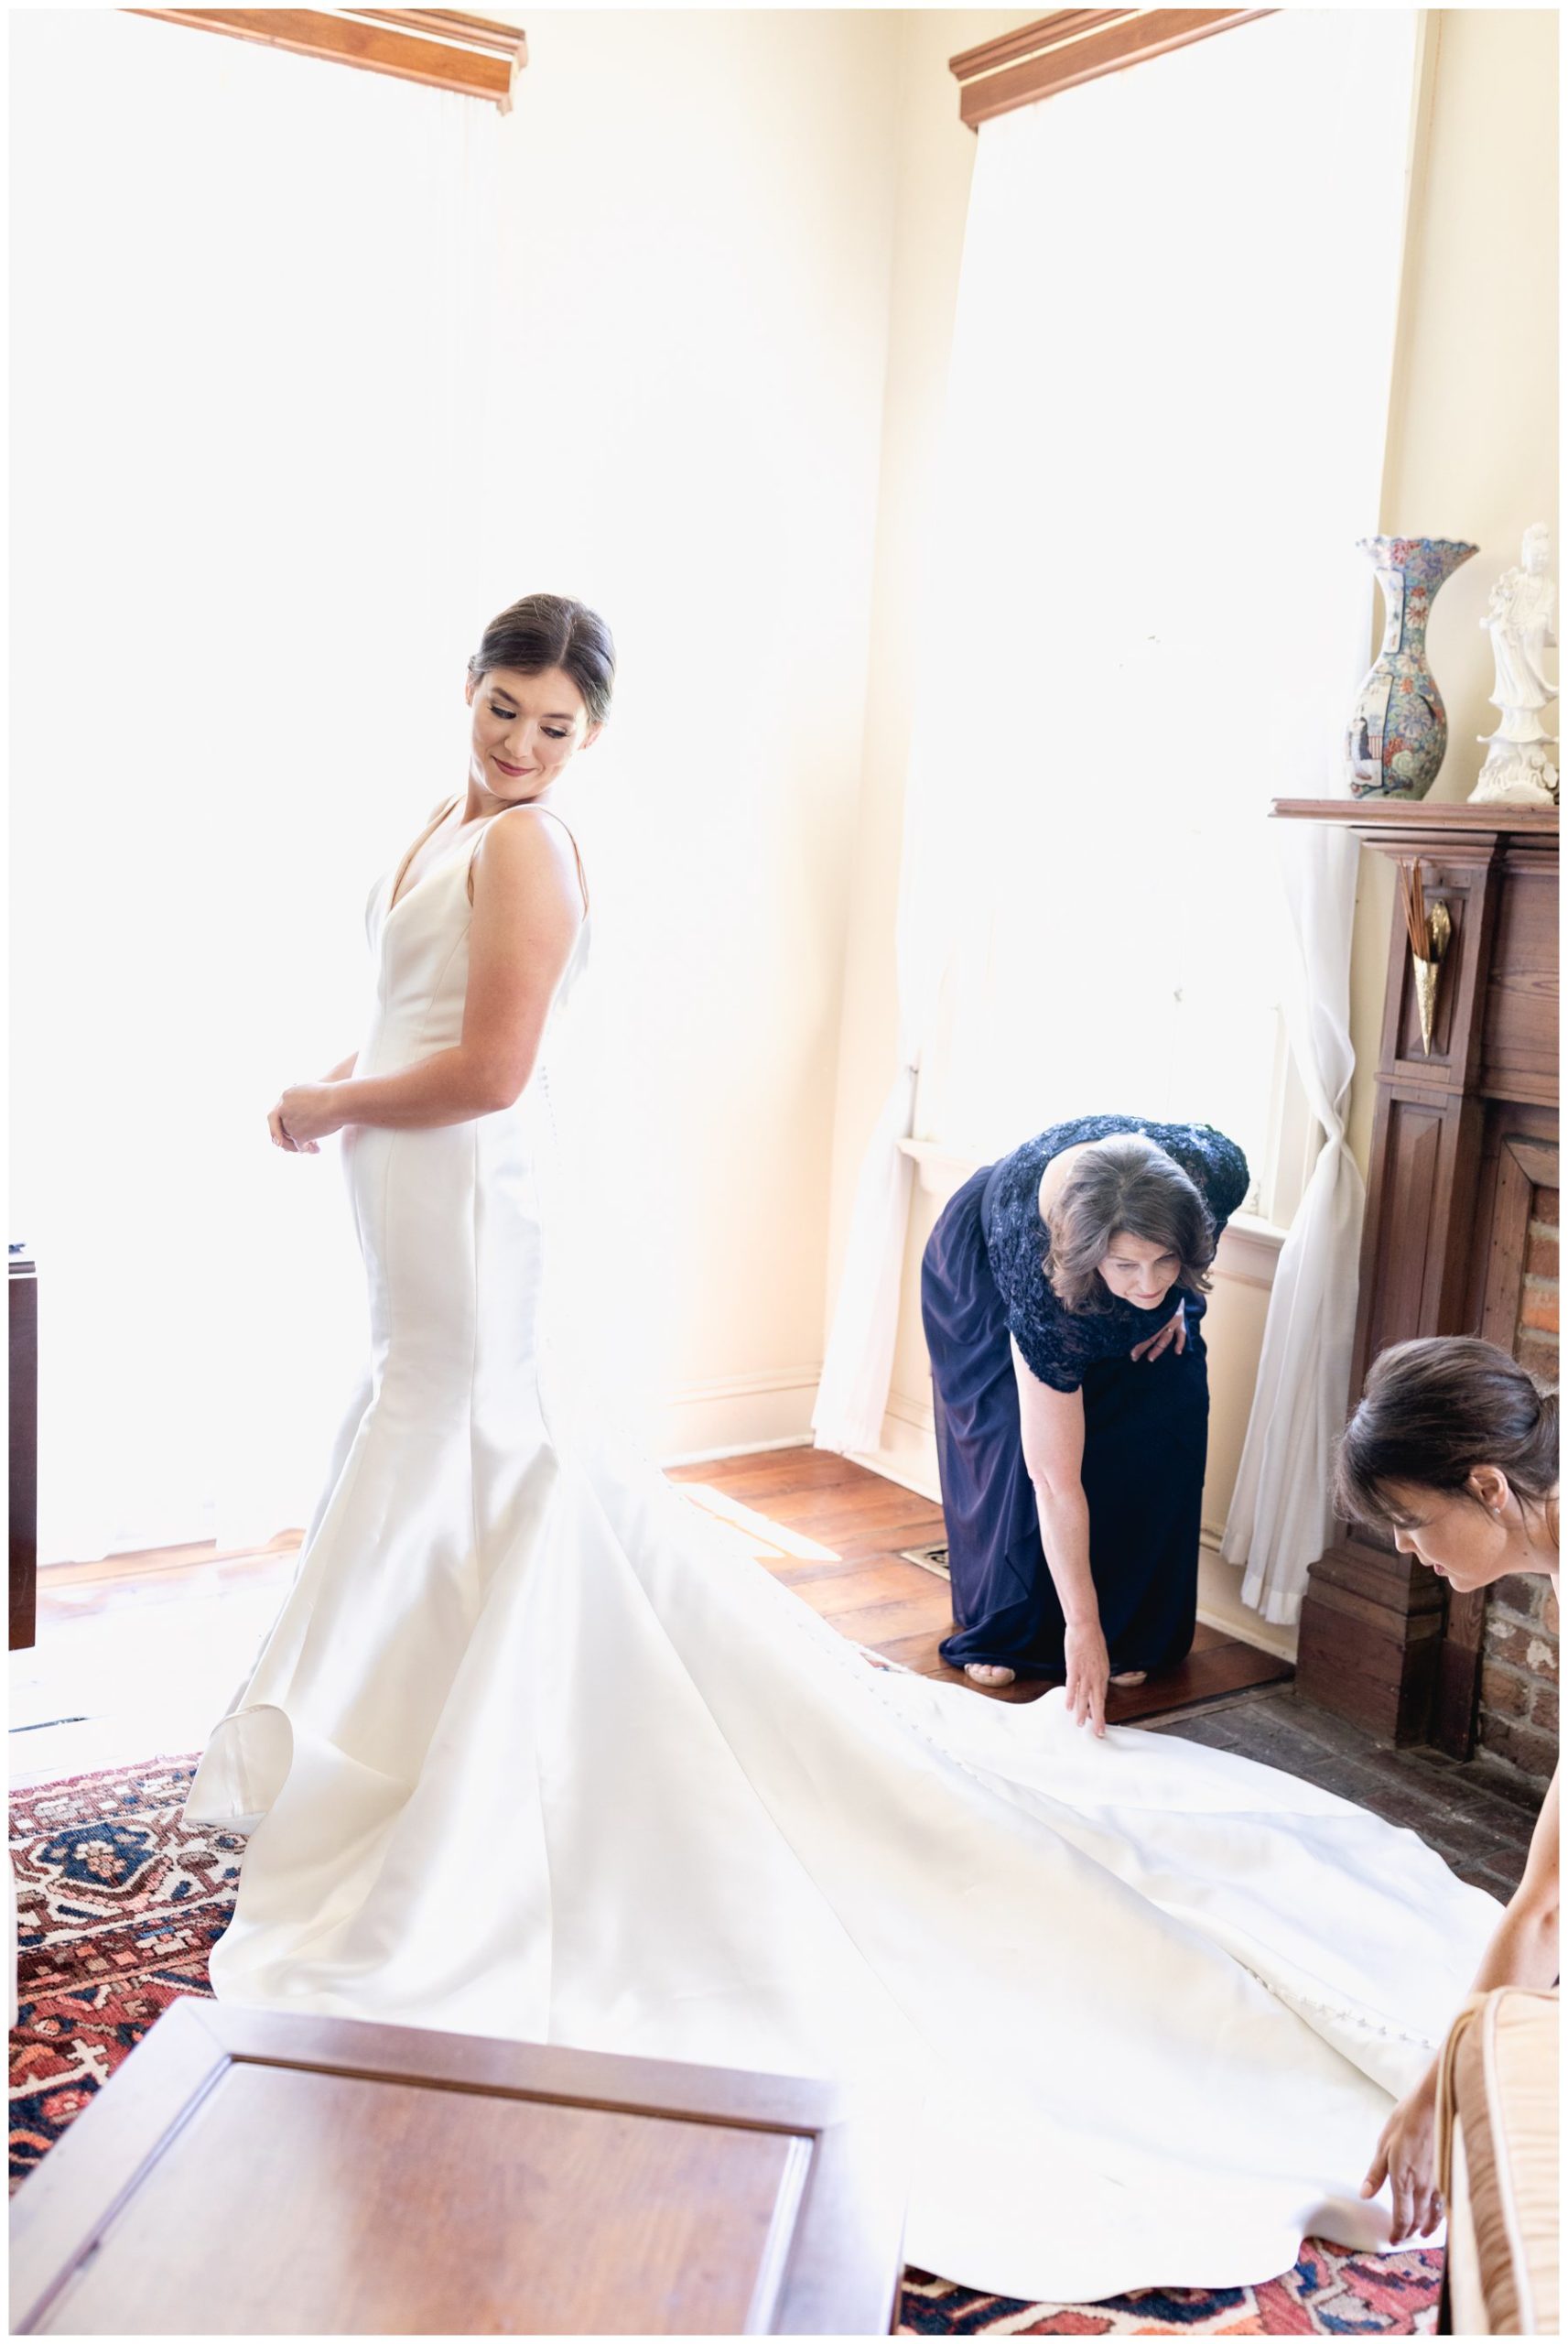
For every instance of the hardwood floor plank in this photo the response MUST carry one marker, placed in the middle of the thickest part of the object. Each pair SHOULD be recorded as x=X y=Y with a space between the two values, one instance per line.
x=750 y=1478
x=833 y=1521
x=883 y=1580
x=871 y=1623
x=889 y=1537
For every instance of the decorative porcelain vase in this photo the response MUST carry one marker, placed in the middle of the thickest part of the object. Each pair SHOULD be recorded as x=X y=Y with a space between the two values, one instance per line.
x=1399 y=729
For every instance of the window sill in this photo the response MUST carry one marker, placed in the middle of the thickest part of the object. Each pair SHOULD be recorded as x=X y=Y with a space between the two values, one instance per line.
x=938 y=1168
x=1249 y=1250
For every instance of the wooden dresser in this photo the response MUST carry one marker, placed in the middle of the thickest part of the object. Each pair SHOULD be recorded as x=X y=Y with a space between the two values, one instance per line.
x=1463 y=1142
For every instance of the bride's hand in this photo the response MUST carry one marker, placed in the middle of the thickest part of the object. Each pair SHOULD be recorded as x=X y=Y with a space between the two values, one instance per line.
x=304 y=1114
x=1088 y=1671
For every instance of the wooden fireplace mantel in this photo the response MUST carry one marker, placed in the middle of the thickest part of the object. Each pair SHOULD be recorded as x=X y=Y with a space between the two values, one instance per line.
x=1381 y=1641
x=1378 y=817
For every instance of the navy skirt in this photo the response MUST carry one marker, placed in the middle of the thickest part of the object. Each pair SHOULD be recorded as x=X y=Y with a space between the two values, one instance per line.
x=1145 y=1448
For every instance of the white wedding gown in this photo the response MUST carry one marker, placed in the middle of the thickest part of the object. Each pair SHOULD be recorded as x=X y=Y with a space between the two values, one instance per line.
x=530 y=1752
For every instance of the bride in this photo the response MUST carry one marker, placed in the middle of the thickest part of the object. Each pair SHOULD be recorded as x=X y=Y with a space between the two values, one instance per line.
x=528 y=1752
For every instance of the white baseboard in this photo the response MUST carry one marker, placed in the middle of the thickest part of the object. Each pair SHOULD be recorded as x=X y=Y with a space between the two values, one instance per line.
x=1220 y=1605
x=892 y=1467
x=907 y=1452
x=736 y=1448
x=727 y=1415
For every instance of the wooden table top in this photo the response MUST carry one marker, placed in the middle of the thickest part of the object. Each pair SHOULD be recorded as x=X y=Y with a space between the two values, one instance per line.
x=253 y=2173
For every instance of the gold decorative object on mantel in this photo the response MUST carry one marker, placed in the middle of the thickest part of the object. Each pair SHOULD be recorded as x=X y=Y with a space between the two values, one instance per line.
x=1431 y=933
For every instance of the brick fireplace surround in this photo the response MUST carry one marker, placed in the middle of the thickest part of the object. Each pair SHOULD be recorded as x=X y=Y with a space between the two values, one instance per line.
x=1516 y=1714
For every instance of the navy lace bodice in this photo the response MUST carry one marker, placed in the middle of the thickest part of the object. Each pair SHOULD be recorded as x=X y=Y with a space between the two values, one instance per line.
x=1057 y=1344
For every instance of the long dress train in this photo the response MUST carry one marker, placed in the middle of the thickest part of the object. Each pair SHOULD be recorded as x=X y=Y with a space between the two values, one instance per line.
x=530 y=1752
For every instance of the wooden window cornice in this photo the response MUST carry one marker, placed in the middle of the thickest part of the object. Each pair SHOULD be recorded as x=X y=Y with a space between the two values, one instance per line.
x=439 y=47
x=1074 y=45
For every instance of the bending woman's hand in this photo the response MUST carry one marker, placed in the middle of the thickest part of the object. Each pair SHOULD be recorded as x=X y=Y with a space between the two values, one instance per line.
x=1174 y=1331
x=304 y=1113
x=1088 y=1672
x=1407 y=2159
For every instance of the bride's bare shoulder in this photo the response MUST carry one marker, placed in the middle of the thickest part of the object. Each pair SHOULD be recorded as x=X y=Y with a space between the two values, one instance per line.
x=527 y=849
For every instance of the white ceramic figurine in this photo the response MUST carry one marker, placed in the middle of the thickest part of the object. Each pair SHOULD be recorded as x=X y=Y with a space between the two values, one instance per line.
x=1521 y=616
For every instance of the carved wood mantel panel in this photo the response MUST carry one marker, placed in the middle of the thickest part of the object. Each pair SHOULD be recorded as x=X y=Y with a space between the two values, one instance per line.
x=1379 y=1641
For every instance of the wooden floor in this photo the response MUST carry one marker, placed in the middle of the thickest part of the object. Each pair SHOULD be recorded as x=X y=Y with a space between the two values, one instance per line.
x=833 y=1531
x=137 y=1656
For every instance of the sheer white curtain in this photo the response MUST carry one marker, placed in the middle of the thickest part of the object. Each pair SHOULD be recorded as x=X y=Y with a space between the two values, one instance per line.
x=1280 y=1513
x=245 y=404
x=1166 y=415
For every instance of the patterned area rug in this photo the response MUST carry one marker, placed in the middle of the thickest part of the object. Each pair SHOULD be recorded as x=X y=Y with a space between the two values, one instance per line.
x=1331 y=2292
x=122 y=1901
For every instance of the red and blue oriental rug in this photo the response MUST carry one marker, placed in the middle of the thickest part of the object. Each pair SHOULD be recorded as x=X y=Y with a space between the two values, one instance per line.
x=122 y=1901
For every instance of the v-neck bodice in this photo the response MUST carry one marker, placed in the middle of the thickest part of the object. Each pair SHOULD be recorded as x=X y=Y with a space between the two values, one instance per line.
x=398 y=892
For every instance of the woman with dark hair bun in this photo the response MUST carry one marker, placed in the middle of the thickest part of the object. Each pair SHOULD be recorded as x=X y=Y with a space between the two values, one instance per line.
x=1062 y=1291
x=546 y=631
x=1454 y=1451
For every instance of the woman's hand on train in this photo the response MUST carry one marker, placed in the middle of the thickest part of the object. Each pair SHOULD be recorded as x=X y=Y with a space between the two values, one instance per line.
x=1174 y=1330
x=1407 y=2159
x=1088 y=1672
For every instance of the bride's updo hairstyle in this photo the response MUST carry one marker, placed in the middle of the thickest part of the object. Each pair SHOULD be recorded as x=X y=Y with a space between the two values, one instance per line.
x=1127 y=1184
x=551 y=631
x=1433 y=1410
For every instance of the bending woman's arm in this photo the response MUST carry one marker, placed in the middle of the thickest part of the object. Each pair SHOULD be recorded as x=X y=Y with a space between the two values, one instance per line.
x=1523 y=1952
x=527 y=907
x=1052 y=1423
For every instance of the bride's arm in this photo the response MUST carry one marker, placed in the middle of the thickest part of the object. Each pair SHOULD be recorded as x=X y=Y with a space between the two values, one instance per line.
x=527 y=907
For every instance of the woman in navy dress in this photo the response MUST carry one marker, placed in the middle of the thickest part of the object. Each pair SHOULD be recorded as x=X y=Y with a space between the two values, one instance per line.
x=1062 y=1291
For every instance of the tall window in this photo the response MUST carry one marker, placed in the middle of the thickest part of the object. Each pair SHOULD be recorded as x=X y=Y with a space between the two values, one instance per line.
x=242 y=412
x=1168 y=404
